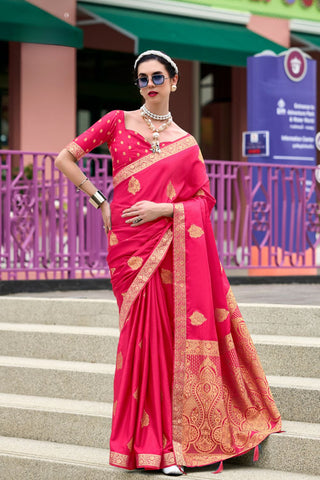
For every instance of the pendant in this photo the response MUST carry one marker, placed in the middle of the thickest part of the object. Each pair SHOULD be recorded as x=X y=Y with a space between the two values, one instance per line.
x=155 y=147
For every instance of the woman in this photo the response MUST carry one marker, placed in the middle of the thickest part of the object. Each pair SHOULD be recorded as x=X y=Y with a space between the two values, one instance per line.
x=189 y=389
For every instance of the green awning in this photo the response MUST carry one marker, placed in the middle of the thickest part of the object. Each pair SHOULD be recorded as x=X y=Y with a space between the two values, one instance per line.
x=312 y=41
x=21 y=21
x=183 y=37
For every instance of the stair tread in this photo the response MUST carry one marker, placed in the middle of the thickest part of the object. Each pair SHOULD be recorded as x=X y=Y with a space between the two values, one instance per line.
x=41 y=363
x=66 y=299
x=111 y=299
x=286 y=340
x=291 y=428
x=52 y=404
x=53 y=450
x=62 y=329
x=278 y=305
x=300 y=429
x=114 y=332
x=98 y=457
x=294 y=382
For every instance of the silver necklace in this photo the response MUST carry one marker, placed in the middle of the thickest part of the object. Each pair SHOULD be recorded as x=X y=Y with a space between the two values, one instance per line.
x=155 y=145
x=154 y=116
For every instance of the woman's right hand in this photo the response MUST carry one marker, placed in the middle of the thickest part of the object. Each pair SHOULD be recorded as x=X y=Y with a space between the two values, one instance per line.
x=106 y=215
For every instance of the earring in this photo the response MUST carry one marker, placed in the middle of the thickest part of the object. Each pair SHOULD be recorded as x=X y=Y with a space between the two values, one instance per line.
x=140 y=91
x=173 y=88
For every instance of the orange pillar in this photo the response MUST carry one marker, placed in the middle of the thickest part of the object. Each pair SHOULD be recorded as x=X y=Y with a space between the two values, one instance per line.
x=42 y=91
x=275 y=29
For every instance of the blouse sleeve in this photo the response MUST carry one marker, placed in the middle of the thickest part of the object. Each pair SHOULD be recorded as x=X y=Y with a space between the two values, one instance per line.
x=100 y=132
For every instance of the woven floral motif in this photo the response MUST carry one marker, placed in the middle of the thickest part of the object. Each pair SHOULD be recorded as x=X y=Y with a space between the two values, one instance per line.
x=134 y=185
x=145 y=420
x=221 y=314
x=113 y=239
x=171 y=193
x=114 y=408
x=136 y=393
x=195 y=231
x=135 y=262
x=119 y=362
x=166 y=276
x=197 y=318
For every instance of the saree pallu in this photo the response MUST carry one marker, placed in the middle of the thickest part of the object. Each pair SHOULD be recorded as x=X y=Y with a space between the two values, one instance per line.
x=189 y=388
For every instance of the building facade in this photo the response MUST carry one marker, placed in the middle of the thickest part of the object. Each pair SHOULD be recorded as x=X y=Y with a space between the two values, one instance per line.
x=54 y=86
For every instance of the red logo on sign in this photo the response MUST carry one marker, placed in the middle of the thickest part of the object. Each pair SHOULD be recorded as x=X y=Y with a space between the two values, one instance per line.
x=295 y=64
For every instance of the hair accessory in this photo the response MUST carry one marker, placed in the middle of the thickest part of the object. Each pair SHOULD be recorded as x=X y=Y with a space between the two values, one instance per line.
x=174 y=88
x=80 y=185
x=97 y=199
x=147 y=115
x=160 y=54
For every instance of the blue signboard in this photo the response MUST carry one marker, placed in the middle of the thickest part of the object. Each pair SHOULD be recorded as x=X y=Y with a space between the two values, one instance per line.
x=284 y=103
x=282 y=99
x=255 y=144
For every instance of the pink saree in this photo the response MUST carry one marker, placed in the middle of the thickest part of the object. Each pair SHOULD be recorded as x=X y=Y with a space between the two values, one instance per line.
x=189 y=388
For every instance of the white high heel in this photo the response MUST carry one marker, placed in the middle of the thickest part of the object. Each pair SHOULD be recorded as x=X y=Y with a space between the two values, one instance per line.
x=173 y=470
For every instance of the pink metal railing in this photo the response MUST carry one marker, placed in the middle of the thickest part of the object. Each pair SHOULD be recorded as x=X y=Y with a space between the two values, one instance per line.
x=49 y=231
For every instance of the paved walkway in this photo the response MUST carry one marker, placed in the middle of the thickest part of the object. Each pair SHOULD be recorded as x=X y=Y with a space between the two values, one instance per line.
x=292 y=294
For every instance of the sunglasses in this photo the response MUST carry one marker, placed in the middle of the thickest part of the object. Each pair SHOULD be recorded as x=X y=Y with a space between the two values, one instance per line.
x=157 y=79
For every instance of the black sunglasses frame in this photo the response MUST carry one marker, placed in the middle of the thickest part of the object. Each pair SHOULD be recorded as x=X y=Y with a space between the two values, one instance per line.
x=145 y=80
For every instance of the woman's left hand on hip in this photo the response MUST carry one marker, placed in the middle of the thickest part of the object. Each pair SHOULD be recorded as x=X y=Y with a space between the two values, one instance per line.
x=146 y=211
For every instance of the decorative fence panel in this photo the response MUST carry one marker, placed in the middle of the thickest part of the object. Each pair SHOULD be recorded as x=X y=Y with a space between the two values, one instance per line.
x=49 y=231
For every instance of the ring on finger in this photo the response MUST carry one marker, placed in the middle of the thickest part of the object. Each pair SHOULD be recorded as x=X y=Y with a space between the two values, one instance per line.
x=137 y=220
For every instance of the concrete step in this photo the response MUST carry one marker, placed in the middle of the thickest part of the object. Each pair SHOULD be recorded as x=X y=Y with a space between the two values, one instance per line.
x=296 y=397
x=56 y=420
x=289 y=355
x=274 y=319
x=59 y=342
x=25 y=459
x=263 y=319
x=59 y=311
x=73 y=421
x=55 y=378
x=280 y=355
x=294 y=450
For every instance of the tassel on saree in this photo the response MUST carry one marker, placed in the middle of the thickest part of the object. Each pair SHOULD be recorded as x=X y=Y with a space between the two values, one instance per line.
x=256 y=453
x=219 y=469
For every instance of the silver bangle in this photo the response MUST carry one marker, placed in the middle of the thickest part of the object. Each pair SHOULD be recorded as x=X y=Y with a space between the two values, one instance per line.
x=97 y=199
x=80 y=185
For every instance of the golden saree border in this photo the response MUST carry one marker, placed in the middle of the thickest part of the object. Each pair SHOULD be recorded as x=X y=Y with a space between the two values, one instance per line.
x=214 y=429
x=180 y=313
x=142 y=460
x=152 y=158
x=144 y=275
x=119 y=459
x=75 y=150
x=209 y=348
